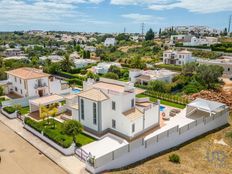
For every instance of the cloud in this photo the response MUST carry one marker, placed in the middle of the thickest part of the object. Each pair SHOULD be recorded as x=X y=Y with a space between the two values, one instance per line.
x=196 y=6
x=138 y=18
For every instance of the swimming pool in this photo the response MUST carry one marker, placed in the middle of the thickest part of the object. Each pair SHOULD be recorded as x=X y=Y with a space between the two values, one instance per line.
x=162 y=108
x=76 y=91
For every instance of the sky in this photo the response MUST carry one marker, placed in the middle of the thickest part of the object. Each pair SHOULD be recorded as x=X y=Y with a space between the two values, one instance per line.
x=111 y=15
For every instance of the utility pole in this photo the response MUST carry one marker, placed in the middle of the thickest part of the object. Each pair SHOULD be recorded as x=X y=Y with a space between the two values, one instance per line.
x=143 y=28
x=230 y=20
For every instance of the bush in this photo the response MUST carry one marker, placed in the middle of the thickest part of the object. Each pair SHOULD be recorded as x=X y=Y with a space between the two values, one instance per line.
x=111 y=75
x=9 y=109
x=38 y=127
x=174 y=158
x=1 y=91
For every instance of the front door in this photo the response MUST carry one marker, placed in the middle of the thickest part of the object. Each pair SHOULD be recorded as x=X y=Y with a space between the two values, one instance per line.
x=41 y=93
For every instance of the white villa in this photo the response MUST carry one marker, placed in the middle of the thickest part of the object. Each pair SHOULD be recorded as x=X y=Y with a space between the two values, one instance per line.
x=90 y=48
x=31 y=82
x=224 y=61
x=201 y=41
x=111 y=106
x=145 y=76
x=10 y=52
x=81 y=63
x=53 y=58
x=177 y=57
x=110 y=42
x=103 y=67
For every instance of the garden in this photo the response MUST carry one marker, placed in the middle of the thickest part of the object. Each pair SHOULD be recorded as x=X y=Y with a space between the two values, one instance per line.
x=62 y=134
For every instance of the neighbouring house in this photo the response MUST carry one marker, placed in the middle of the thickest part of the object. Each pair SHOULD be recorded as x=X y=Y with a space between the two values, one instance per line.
x=10 y=52
x=110 y=42
x=75 y=55
x=21 y=57
x=177 y=57
x=143 y=77
x=179 y=38
x=53 y=58
x=90 y=48
x=103 y=67
x=31 y=82
x=81 y=63
x=111 y=106
x=207 y=41
x=224 y=61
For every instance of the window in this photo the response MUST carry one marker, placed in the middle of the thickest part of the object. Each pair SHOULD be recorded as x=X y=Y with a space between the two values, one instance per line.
x=15 y=79
x=21 y=91
x=113 y=124
x=133 y=128
x=20 y=81
x=82 y=110
x=16 y=89
x=94 y=113
x=228 y=69
x=132 y=103
x=113 y=105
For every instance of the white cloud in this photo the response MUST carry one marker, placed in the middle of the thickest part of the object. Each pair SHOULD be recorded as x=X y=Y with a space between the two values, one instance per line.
x=138 y=18
x=197 y=6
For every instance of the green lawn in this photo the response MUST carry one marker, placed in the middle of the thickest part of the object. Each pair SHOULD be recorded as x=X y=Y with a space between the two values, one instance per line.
x=164 y=102
x=56 y=133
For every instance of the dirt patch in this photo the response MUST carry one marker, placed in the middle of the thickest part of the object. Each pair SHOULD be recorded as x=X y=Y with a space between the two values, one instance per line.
x=126 y=48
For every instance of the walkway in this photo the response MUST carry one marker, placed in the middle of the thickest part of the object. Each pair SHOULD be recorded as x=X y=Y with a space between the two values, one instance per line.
x=69 y=163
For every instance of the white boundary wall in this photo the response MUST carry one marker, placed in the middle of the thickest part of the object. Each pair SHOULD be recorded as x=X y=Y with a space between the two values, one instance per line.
x=141 y=149
x=65 y=151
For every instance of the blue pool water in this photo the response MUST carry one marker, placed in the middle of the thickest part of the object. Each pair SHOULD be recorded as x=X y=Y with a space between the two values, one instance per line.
x=162 y=108
x=76 y=91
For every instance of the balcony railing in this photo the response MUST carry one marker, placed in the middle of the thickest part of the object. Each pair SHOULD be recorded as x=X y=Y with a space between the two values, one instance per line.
x=40 y=85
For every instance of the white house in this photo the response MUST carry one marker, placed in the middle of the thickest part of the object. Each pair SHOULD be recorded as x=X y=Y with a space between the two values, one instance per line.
x=177 y=57
x=112 y=106
x=179 y=38
x=110 y=42
x=145 y=76
x=224 y=61
x=103 y=67
x=53 y=58
x=13 y=52
x=90 y=48
x=81 y=63
x=31 y=82
x=201 y=41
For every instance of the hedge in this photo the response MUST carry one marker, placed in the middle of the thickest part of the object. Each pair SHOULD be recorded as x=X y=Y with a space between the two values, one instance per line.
x=170 y=67
x=9 y=109
x=71 y=76
x=54 y=134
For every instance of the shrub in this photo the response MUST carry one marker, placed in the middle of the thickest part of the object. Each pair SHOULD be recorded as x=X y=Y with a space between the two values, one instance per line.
x=1 y=91
x=174 y=158
x=9 y=109
x=38 y=127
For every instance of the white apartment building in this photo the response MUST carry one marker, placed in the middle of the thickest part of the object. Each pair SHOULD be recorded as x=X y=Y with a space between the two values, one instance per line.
x=177 y=57
x=31 y=82
x=111 y=106
x=103 y=67
x=53 y=58
x=145 y=76
x=179 y=38
x=110 y=42
x=90 y=48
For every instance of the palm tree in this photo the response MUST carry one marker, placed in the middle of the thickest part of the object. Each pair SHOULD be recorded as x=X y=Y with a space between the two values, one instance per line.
x=67 y=63
x=72 y=128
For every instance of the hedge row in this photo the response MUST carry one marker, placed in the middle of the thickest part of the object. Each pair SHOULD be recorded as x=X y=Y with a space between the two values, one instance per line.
x=54 y=134
x=9 y=109
x=71 y=76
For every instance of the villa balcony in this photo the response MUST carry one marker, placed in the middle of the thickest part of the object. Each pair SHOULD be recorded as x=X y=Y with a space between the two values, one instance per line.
x=41 y=85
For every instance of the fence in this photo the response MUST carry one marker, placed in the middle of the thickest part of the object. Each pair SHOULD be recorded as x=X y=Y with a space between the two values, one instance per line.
x=137 y=145
x=21 y=101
